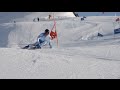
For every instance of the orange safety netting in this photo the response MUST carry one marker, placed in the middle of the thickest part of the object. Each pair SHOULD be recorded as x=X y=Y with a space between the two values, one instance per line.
x=53 y=34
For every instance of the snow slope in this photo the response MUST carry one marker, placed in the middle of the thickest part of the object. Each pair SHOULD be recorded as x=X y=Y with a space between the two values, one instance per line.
x=29 y=16
x=81 y=53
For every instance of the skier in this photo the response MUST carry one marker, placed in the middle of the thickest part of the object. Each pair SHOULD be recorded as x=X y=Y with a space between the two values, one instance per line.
x=82 y=19
x=100 y=35
x=50 y=17
x=38 y=19
x=42 y=40
x=14 y=21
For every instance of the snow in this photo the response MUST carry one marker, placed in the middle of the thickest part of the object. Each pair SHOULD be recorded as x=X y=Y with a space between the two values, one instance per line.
x=81 y=54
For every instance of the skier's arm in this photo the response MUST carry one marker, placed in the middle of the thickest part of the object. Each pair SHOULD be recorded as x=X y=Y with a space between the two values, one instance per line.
x=40 y=37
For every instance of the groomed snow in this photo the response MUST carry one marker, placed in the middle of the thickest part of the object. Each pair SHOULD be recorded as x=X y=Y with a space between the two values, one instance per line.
x=81 y=54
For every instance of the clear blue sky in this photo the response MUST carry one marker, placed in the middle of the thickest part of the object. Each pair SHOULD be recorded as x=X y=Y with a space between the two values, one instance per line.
x=99 y=13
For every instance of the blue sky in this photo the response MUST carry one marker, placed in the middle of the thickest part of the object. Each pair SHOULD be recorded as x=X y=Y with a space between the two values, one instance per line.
x=99 y=13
